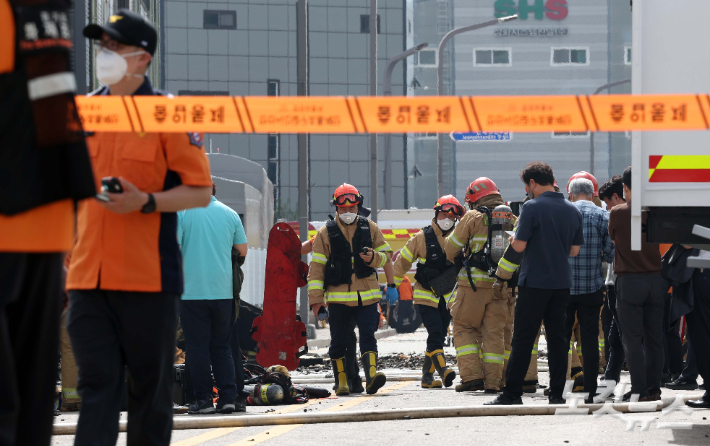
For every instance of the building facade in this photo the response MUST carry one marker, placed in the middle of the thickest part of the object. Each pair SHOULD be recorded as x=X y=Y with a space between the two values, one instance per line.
x=248 y=47
x=556 y=47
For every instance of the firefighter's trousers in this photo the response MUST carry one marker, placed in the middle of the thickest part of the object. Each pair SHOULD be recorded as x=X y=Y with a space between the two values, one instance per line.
x=479 y=322
x=508 y=335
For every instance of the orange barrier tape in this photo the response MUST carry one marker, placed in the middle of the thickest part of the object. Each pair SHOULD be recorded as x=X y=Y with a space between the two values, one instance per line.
x=338 y=114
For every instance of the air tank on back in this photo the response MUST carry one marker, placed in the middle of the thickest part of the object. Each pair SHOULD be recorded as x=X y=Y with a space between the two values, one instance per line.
x=501 y=220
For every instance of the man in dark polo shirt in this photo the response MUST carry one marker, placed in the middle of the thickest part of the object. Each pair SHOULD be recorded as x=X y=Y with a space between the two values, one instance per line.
x=639 y=301
x=549 y=231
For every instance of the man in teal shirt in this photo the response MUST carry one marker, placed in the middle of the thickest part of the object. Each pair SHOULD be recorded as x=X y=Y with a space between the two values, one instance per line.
x=206 y=237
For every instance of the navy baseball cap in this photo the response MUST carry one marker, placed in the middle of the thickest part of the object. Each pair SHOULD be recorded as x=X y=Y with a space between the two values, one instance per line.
x=128 y=28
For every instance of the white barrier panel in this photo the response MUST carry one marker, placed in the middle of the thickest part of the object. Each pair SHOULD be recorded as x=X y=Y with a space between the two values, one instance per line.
x=254 y=270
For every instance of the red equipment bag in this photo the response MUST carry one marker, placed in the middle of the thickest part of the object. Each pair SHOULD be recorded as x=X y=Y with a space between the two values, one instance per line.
x=278 y=334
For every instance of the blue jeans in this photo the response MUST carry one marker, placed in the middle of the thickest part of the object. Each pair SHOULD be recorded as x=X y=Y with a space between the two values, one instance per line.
x=207 y=325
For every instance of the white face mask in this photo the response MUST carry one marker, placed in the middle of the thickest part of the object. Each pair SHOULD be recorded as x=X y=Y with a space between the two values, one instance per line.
x=348 y=217
x=445 y=224
x=111 y=67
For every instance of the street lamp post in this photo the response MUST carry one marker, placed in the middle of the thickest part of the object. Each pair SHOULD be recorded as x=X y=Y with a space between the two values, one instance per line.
x=440 y=87
x=592 y=150
x=373 y=92
x=387 y=91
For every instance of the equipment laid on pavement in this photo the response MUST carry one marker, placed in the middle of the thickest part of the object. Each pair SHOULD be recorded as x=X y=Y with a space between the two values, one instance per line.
x=273 y=386
x=278 y=334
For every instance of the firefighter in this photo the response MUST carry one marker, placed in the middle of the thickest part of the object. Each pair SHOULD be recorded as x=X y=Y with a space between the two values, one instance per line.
x=342 y=276
x=479 y=317
x=426 y=248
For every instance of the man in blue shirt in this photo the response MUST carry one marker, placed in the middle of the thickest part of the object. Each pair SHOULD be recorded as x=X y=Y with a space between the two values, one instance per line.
x=206 y=237
x=587 y=294
x=549 y=230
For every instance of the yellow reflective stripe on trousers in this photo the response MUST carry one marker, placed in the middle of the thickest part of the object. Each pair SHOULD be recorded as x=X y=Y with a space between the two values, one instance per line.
x=469 y=349
x=534 y=350
x=70 y=393
x=428 y=295
x=493 y=358
x=506 y=353
x=507 y=266
x=315 y=284
x=398 y=280
x=455 y=241
x=319 y=258
x=406 y=254
x=351 y=296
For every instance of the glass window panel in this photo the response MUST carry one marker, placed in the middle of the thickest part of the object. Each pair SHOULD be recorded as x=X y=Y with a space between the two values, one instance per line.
x=561 y=56
x=226 y=20
x=427 y=57
x=501 y=57
x=483 y=57
x=211 y=19
x=578 y=56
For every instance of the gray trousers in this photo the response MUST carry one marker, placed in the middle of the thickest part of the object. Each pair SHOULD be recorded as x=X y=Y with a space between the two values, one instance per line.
x=639 y=305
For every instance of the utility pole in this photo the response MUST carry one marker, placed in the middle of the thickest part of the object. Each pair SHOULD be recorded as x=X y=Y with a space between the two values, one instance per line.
x=373 y=92
x=387 y=91
x=440 y=88
x=592 y=150
x=302 y=75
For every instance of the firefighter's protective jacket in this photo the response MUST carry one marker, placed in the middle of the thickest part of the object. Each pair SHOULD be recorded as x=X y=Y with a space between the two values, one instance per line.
x=470 y=235
x=415 y=250
x=367 y=288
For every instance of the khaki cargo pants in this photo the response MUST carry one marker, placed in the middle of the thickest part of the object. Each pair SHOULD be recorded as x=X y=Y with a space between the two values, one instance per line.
x=479 y=321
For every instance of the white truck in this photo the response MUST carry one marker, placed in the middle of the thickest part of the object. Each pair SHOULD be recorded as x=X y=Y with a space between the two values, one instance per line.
x=670 y=169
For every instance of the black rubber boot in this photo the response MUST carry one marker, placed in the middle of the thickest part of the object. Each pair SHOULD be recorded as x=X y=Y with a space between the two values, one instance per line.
x=341 y=378
x=354 y=379
x=446 y=374
x=578 y=377
x=374 y=380
x=428 y=381
x=470 y=386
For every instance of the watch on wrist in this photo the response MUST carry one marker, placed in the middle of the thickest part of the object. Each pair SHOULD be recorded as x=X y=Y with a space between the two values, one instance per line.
x=149 y=207
x=391 y=285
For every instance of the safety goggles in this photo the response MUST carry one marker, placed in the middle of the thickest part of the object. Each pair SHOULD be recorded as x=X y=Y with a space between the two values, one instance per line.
x=347 y=200
x=452 y=208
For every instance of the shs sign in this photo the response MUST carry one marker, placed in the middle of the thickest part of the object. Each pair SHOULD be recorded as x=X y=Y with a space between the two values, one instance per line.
x=552 y=9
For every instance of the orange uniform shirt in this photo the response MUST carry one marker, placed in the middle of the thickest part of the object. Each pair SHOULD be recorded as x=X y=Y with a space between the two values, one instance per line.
x=136 y=251
x=48 y=228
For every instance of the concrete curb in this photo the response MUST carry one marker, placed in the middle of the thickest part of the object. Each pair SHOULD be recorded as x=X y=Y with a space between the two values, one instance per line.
x=323 y=343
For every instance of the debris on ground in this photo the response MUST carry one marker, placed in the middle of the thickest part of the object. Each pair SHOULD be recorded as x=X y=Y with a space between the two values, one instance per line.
x=396 y=361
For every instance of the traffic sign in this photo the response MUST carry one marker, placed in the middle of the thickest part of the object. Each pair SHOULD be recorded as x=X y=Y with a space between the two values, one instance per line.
x=481 y=136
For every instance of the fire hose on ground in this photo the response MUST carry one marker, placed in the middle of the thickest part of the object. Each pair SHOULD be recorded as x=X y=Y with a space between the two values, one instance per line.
x=184 y=423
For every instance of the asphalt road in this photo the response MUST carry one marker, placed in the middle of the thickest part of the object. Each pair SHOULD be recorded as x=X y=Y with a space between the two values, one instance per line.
x=500 y=430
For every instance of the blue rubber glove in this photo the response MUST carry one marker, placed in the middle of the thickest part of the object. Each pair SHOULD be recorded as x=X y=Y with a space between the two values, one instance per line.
x=392 y=295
